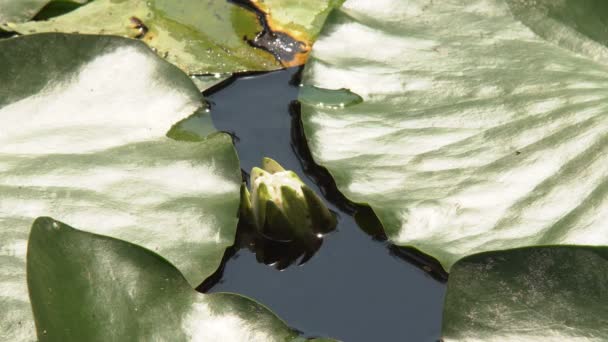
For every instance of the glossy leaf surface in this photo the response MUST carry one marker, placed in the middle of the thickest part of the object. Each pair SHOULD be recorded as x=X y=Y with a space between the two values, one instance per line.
x=85 y=142
x=19 y=10
x=199 y=36
x=475 y=133
x=304 y=21
x=532 y=294
x=86 y=287
x=16 y=11
x=301 y=20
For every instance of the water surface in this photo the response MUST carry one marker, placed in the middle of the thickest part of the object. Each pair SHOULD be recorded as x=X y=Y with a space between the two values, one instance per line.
x=356 y=287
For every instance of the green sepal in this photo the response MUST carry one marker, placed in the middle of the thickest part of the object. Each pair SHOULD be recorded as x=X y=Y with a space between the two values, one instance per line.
x=256 y=173
x=271 y=165
x=245 y=210
x=296 y=210
x=277 y=226
x=260 y=197
x=323 y=220
x=295 y=176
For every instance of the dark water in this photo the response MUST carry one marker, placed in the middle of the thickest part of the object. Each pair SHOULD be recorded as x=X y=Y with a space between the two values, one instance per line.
x=356 y=287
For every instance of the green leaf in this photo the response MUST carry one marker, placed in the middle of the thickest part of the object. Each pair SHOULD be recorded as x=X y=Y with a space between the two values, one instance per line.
x=532 y=294
x=204 y=82
x=295 y=208
x=196 y=127
x=302 y=20
x=85 y=142
x=200 y=36
x=17 y=11
x=87 y=287
x=56 y=8
x=578 y=25
x=475 y=133
x=20 y=10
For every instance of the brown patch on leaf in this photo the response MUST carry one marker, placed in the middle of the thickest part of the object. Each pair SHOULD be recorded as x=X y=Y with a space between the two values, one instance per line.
x=288 y=51
x=139 y=25
x=289 y=47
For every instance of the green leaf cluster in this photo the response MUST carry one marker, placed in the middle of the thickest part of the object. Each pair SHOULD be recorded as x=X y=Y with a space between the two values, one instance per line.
x=200 y=36
x=476 y=130
x=91 y=142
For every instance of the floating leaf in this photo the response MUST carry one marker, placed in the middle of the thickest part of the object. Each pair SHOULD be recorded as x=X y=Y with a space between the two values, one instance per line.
x=298 y=20
x=534 y=294
x=475 y=133
x=16 y=11
x=578 y=25
x=85 y=141
x=201 y=36
x=86 y=287
x=19 y=10
x=204 y=82
x=303 y=21
x=56 y=8
x=312 y=95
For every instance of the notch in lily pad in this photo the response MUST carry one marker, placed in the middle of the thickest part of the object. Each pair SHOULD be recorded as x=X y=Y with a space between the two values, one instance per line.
x=328 y=98
x=282 y=207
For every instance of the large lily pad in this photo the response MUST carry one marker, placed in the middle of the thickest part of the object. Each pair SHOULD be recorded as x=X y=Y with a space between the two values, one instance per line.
x=475 y=133
x=83 y=139
x=86 y=287
x=533 y=294
x=200 y=36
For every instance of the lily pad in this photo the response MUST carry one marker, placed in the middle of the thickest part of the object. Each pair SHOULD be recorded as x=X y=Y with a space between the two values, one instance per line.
x=304 y=21
x=20 y=10
x=532 y=294
x=578 y=25
x=204 y=82
x=17 y=11
x=476 y=133
x=84 y=122
x=56 y=8
x=301 y=20
x=86 y=287
x=201 y=37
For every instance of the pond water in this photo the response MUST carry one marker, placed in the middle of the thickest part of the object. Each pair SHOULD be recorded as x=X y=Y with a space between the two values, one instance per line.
x=356 y=287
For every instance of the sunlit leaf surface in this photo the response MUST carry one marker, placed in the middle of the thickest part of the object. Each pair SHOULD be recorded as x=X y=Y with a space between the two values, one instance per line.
x=477 y=132
x=16 y=11
x=548 y=294
x=202 y=36
x=86 y=287
x=19 y=10
x=83 y=139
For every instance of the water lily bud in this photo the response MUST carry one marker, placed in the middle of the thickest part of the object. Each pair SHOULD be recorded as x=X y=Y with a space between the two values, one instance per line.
x=281 y=206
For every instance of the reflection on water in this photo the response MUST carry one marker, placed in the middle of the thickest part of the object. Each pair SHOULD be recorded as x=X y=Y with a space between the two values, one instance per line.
x=351 y=285
x=274 y=253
